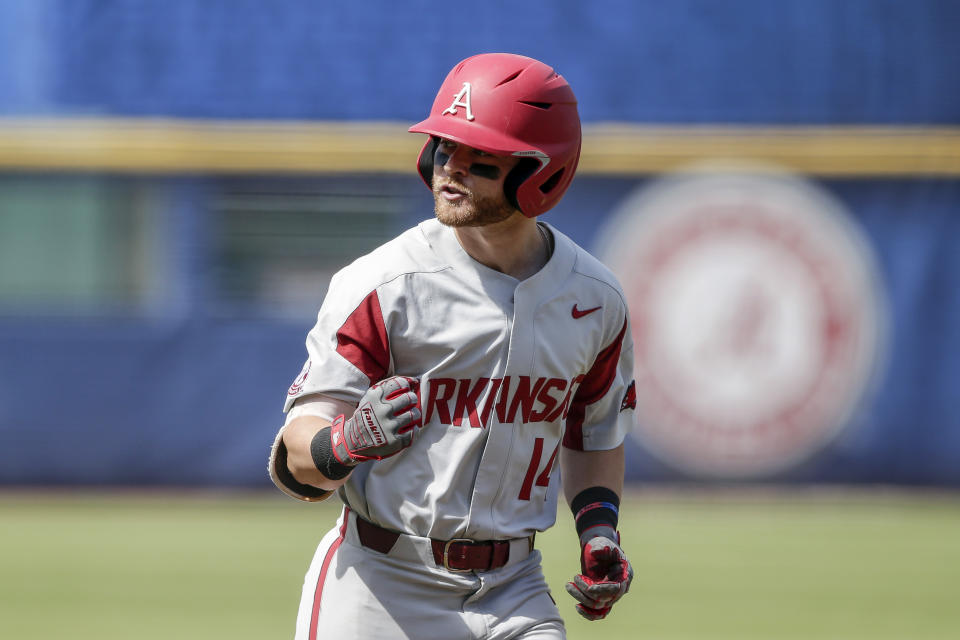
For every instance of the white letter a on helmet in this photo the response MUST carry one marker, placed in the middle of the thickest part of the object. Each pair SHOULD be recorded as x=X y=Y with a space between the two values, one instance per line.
x=462 y=99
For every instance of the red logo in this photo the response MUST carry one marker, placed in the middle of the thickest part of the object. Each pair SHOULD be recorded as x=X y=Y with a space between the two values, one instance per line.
x=301 y=380
x=630 y=397
x=577 y=313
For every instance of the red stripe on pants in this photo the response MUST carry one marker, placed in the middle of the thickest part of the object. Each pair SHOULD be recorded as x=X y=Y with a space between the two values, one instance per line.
x=318 y=593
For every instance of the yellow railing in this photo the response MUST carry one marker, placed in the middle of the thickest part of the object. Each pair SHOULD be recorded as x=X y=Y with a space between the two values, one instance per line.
x=134 y=145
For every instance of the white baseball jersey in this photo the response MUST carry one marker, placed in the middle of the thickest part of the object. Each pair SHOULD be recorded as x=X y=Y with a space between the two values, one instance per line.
x=508 y=371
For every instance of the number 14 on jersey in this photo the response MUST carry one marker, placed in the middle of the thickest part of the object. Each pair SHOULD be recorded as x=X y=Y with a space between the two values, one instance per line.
x=543 y=479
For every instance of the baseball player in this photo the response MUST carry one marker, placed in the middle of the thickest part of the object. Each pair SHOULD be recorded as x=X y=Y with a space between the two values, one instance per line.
x=451 y=372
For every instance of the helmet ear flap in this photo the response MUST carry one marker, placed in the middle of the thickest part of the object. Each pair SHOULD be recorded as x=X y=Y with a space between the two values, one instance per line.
x=425 y=161
x=517 y=176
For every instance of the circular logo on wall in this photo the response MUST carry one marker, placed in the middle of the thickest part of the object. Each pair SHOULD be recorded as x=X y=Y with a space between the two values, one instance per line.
x=756 y=317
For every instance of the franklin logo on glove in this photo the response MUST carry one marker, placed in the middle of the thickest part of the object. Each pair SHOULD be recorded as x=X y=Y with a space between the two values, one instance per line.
x=373 y=427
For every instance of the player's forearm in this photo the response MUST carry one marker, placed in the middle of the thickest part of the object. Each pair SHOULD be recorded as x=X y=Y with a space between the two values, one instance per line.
x=585 y=469
x=593 y=484
x=297 y=436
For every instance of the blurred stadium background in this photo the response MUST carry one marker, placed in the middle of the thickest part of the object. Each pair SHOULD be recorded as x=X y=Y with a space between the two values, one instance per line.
x=776 y=184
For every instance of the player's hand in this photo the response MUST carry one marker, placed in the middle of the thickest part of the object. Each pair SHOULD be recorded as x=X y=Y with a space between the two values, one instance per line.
x=606 y=573
x=382 y=425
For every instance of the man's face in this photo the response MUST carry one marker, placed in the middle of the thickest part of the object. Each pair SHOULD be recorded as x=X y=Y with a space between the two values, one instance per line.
x=468 y=185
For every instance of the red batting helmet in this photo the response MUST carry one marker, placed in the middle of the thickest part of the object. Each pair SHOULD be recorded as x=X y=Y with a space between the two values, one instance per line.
x=507 y=104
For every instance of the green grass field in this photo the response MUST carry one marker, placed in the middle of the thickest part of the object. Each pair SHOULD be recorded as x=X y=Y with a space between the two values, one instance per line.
x=735 y=565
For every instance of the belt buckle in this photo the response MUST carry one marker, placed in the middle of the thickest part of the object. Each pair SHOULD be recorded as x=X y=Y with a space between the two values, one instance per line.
x=446 y=555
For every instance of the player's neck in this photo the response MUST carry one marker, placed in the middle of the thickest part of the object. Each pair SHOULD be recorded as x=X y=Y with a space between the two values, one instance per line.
x=514 y=246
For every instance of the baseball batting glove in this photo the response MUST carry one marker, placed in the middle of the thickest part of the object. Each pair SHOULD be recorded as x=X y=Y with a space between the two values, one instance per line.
x=606 y=573
x=382 y=425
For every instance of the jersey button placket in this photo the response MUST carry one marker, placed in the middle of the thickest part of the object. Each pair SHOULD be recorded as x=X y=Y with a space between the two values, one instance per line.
x=519 y=363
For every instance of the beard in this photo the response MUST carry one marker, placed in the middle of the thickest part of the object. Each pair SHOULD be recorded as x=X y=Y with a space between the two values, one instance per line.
x=471 y=211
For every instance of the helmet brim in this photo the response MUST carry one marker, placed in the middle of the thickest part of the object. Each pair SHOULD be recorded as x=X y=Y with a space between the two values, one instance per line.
x=473 y=135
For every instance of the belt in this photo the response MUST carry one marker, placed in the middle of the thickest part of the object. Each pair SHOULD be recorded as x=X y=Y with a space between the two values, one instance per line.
x=457 y=555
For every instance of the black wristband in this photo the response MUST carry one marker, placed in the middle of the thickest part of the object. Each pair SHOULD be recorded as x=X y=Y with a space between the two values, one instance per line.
x=593 y=506
x=321 y=450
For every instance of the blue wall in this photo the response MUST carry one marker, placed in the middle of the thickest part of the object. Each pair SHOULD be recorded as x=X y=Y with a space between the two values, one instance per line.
x=744 y=61
x=192 y=397
x=196 y=398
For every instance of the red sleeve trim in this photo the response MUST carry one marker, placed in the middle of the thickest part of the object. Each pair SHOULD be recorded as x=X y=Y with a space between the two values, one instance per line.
x=362 y=339
x=594 y=386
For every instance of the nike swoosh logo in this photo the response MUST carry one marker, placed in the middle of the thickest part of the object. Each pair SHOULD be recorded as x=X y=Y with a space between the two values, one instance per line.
x=577 y=313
